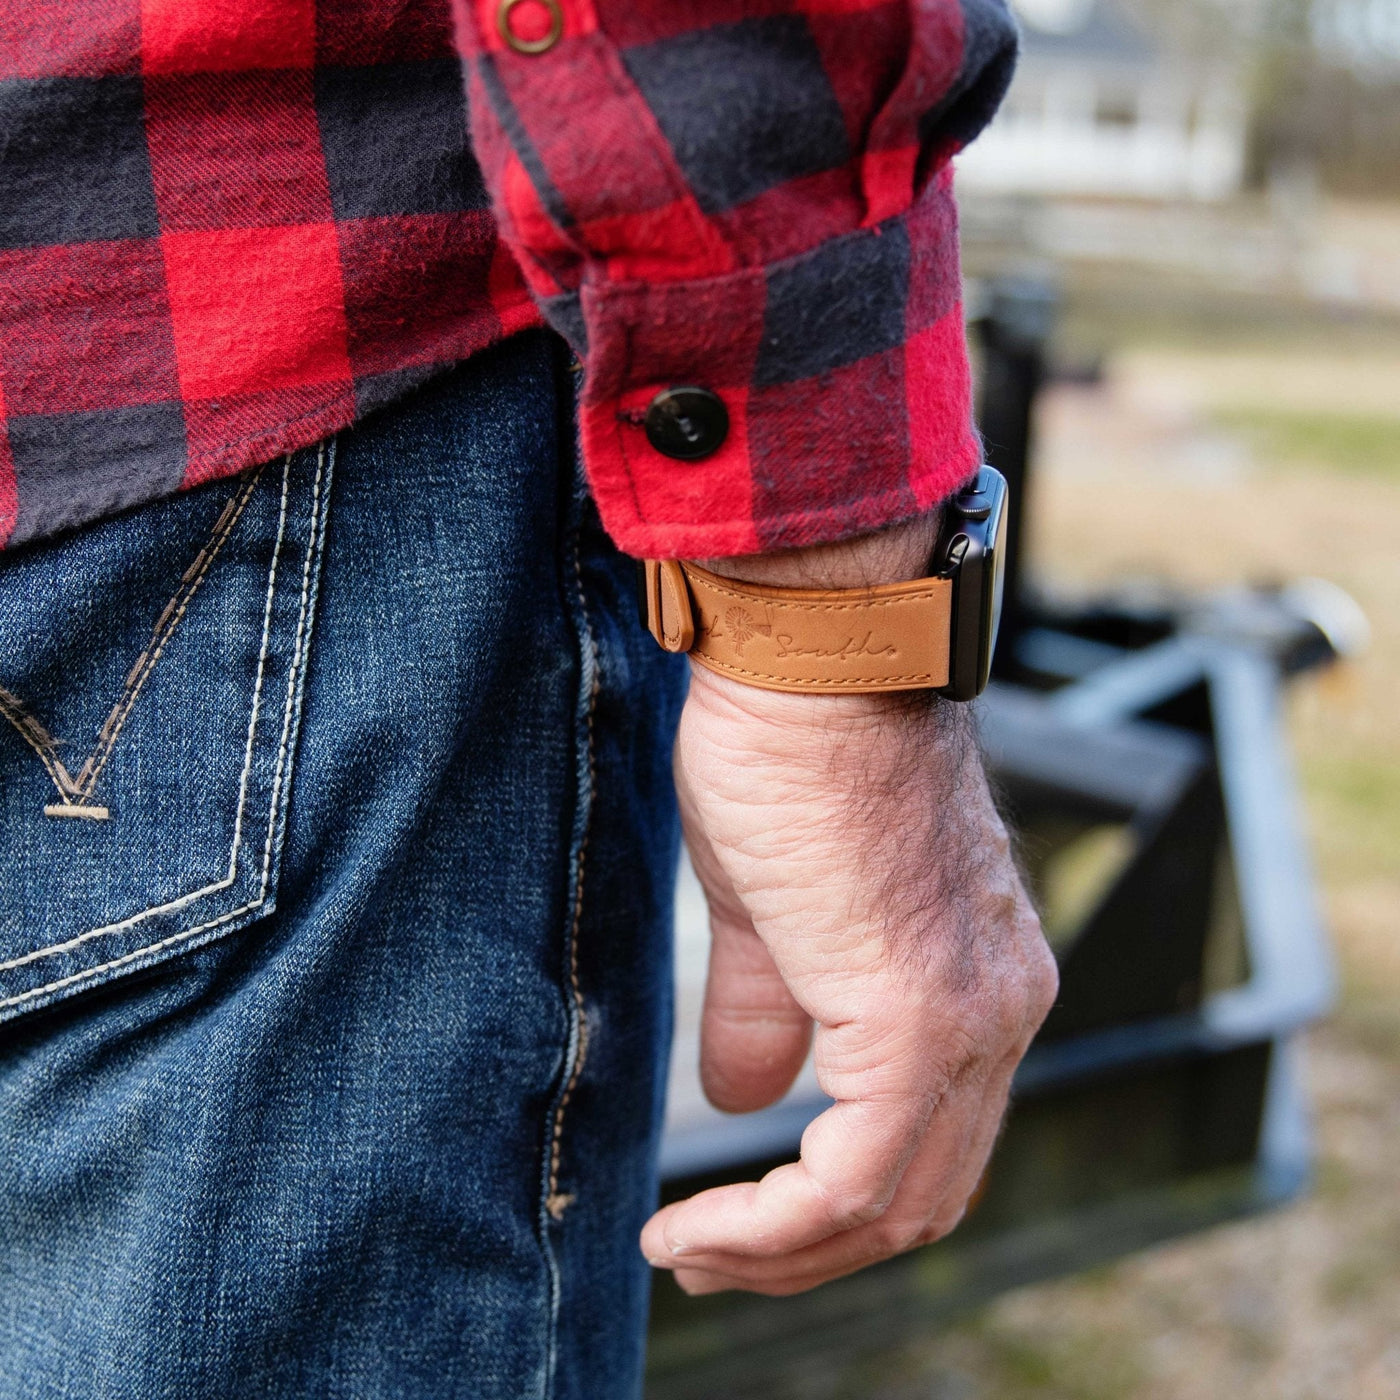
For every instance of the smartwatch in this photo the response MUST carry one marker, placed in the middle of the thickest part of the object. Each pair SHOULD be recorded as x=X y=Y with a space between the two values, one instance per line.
x=934 y=633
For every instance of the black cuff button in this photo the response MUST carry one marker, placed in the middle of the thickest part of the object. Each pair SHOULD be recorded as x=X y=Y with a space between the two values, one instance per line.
x=687 y=423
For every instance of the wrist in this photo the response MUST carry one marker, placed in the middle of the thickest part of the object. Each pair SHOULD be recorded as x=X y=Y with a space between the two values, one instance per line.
x=910 y=608
x=892 y=555
x=895 y=554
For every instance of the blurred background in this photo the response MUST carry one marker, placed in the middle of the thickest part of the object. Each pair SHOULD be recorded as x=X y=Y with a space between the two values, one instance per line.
x=1193 y=208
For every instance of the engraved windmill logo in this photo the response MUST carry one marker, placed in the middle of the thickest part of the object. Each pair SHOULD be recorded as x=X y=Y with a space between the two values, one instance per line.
x=743 y=626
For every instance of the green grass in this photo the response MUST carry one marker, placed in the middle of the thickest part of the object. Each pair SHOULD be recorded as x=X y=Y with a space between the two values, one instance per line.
x=1082 y=1365
x=1355 y=803
x=1343 y=442
x=1355 y=1280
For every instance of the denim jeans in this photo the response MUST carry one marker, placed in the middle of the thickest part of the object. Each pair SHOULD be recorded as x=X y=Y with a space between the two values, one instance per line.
x=337 y=840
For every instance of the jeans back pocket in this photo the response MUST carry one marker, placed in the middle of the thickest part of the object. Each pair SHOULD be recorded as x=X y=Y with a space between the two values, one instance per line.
x=151 y=673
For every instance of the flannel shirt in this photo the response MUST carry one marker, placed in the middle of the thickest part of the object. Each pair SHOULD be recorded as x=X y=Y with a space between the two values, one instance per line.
x=229 y=228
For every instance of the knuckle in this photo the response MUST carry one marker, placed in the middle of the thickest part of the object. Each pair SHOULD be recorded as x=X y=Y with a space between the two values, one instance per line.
x=979 y=1029
x=941 y=1225
x=1007 y=1017
x=1023 y=998
x=861 y=1206
x=896 y=1236
x=1044 y=982
x=862 y=1210
x=956 y=1044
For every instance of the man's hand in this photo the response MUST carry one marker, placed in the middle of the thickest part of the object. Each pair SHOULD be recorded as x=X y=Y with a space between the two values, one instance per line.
x=860 y=882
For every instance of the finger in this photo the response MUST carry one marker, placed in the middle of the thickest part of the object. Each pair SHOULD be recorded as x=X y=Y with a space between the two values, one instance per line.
x=754 y=1036
x=909 y=1223
x=853 y=1156
x=697 y=1282
x=887 y=1083
x=950 y=1210
x=929 y=1201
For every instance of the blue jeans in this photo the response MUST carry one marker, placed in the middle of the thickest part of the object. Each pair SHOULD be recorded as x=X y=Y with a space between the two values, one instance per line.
x=336 y=850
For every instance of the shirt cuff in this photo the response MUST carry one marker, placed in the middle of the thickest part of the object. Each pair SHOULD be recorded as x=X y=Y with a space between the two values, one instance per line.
x=843 y=374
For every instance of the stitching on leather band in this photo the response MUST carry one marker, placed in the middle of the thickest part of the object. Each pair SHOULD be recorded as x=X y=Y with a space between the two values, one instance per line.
x=866 y=605
x=813 y=684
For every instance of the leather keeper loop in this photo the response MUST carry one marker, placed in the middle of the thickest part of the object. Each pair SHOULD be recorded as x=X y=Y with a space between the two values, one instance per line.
x=669 y=616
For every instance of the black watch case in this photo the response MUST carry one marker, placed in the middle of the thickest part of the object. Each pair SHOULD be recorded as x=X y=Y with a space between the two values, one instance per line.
x=971 y=551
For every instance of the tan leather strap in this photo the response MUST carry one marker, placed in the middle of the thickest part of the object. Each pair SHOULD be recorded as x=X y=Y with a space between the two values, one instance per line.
x=852 y=641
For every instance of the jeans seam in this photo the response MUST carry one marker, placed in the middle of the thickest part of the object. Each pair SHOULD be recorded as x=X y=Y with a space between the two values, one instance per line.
x=556 y=1202
x=324 y=464
x=553 y=1202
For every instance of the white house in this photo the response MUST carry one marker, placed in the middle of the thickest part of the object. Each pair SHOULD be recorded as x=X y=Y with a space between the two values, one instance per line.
x=1100 y=108
x=1364 y=34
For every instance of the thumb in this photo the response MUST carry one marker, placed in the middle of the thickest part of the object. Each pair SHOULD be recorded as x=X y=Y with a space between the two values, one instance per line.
x=753 y=1034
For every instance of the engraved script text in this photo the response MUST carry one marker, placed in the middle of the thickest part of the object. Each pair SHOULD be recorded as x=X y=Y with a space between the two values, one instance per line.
x=847 y=651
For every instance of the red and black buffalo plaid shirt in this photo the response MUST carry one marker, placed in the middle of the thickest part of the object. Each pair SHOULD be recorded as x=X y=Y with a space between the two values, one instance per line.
x=231 y=227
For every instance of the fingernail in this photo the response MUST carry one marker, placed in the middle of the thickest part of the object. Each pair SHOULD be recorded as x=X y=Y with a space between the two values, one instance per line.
x=684 y=1249
x=659 y=1263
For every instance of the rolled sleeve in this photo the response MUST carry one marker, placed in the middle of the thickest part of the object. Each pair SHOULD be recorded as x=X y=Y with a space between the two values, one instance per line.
x=754 y=199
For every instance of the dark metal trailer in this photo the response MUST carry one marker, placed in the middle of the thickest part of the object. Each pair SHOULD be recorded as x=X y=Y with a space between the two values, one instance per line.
x=1140 y=753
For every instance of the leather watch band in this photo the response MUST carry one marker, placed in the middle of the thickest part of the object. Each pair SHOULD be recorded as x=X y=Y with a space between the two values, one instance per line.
x=852 y=641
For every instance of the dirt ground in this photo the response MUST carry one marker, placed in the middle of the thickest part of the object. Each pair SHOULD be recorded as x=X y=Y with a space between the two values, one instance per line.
x=1210 y=464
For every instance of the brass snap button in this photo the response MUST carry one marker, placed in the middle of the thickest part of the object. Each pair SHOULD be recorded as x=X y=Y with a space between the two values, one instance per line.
x=523 y=43
x=686 y=423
